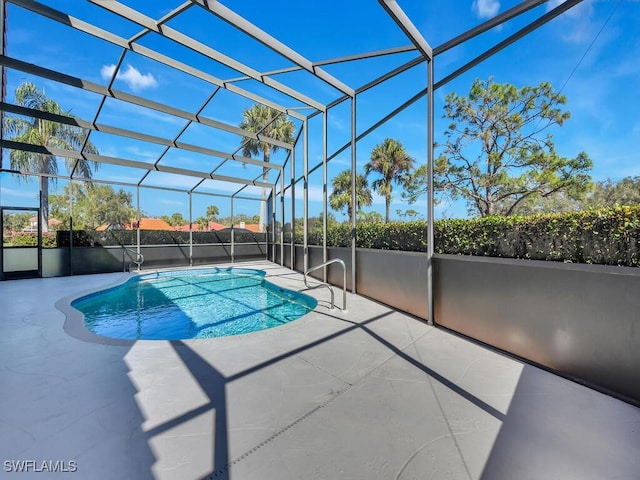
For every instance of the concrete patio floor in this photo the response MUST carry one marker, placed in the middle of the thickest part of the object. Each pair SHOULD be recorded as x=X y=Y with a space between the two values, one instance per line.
x=367 y=394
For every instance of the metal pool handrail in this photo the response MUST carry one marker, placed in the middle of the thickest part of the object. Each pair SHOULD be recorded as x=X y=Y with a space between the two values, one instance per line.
x=137 y=260
x=323 y=284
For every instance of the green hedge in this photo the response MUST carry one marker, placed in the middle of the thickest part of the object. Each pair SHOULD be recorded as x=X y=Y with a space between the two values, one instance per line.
x=609 y=236
x=29 y=239
x=112 y=238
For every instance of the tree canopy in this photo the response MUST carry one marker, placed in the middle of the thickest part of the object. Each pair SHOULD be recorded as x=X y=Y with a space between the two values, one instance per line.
x=266 y=121
x=497 y=155
x=212 y=213
x=393 y=163
x=93 y=205
x=47 y=133
x=175 y=220
x=340 y=197
x=608 y=193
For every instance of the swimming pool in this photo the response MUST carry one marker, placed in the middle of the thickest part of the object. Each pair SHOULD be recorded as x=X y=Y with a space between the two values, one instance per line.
x=184 y=304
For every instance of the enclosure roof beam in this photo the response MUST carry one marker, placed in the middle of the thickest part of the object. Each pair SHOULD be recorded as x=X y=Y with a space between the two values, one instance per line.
x=169 y=16
x=563 y=7
x=263 y=37
x=74 y=121
x=198 y=47
x=73 y=154
x=105 y=35
x=488 y=25
x=333 y=61
x=133 y=99
x=123 y=184
x=410 y=30
x=366 y=55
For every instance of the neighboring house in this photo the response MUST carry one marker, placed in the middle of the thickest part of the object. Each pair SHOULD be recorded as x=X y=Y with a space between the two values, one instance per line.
x=151 y=224
x=159 y=224
x=211 y=227
x=53 y=223
x=252 y=227
x=145 y=224
x=247 y=227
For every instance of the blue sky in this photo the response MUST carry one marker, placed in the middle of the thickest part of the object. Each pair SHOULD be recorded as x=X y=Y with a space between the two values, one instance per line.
x=589 y=53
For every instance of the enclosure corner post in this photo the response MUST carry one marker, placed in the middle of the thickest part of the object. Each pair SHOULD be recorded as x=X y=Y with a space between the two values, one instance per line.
x=430 y=196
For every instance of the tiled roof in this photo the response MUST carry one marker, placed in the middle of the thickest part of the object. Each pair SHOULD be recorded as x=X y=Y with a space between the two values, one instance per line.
x=145 y=224
x=152 y=224
x=159 y=224
x=216 y=226
x=252 y=227
x=213 y=226
x=52 y=221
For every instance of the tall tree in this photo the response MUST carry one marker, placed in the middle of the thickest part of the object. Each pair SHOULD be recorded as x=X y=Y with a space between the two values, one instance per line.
x=341 y=195
x=496 y=155
x=394 y=165
x=46 y=133
x=623 y=192
x=269 y=122
x=212 y=213
x=202 y=223
x=416 y=185
x=370 y=217
x=93 y=205
x=175 y=220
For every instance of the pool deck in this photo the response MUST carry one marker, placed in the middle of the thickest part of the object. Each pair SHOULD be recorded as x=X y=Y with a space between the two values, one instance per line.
x=367 y=394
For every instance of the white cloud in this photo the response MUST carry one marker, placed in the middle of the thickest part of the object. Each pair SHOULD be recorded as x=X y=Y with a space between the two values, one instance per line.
x=551 y=4
x=583 y=9
x=131 y=76
x=486 y=8
x=145 y=153
x=578 y=26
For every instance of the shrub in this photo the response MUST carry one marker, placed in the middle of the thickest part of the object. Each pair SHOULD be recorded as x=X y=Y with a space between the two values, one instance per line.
x=609 y=236
x=30 y=239
x=91 y=238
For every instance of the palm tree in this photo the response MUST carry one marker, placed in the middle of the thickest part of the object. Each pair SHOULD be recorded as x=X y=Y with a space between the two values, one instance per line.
x=269 y=122
x=202 y=223
x=46 y=133
x=392 y=161
x=341 y=195
x=212 y=213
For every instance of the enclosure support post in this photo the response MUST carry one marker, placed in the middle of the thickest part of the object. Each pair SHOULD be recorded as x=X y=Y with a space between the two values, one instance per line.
x=273 y=224
x=293 y=209
x=353 y=194
x=305 y=219
x=282 y=218
x=190 y=230
x=3 y=79
x=233 y=245
x=70 y=227
x=138 y=216
x=410 y=30
x=430 y=196
x=324 y=194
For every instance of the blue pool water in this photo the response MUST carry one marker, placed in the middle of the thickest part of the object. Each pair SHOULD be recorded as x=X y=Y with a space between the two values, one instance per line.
x=191 y=304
